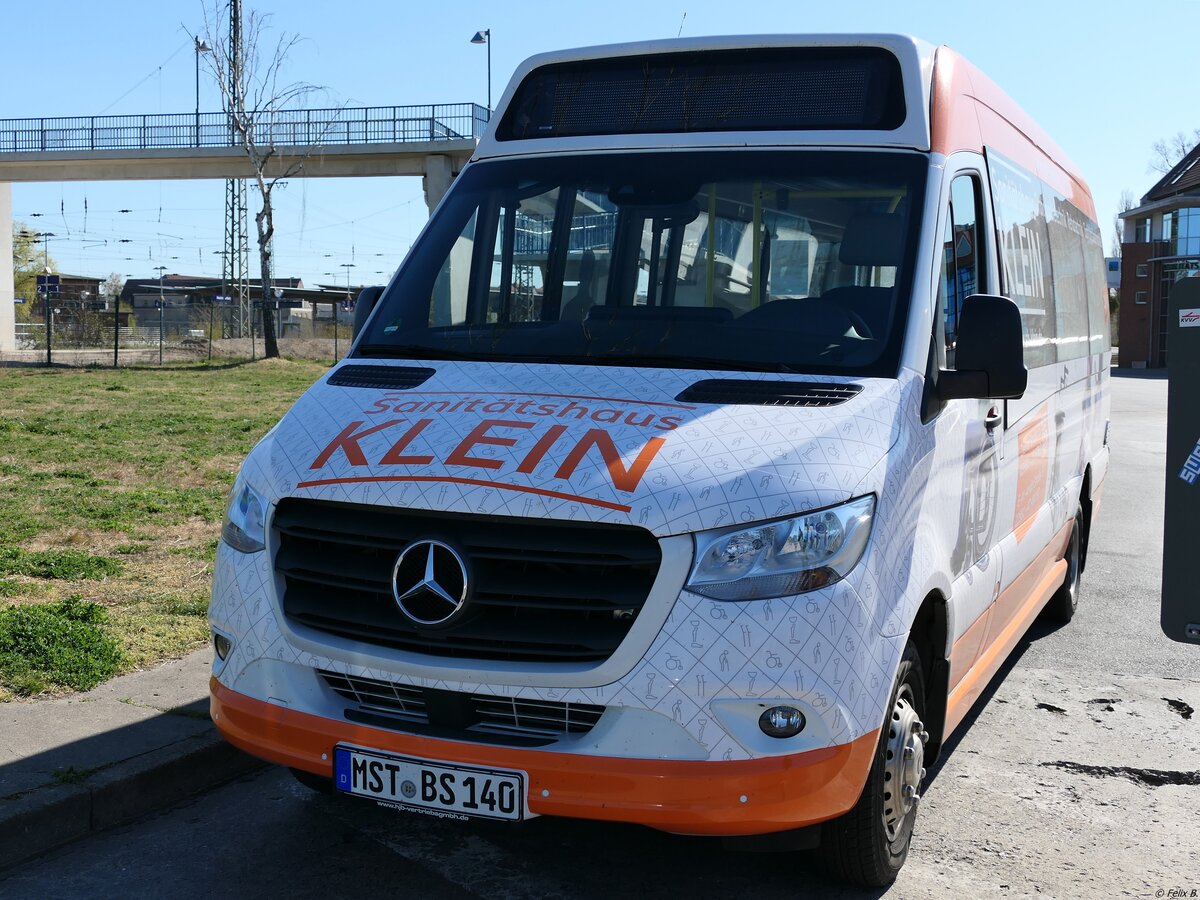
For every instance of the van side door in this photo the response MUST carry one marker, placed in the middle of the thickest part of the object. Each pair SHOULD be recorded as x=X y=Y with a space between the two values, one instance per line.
x=970 y=433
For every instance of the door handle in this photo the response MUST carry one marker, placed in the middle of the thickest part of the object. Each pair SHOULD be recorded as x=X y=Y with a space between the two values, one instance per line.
x=992 y=419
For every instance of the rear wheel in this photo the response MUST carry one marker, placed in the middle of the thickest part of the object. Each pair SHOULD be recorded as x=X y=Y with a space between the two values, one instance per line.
x=869 y=844
x=1065 y=601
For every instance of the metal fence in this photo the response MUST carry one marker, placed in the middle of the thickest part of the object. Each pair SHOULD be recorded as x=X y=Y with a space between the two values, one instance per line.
x=97 y=341
x=289 y=127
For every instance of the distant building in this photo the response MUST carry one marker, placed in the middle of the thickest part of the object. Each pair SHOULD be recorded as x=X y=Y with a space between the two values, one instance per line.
x=67 y=294
x=1161 y=245
x=185 y=301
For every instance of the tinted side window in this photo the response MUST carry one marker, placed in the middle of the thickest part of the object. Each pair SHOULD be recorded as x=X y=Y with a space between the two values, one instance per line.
x=962 y=256
x=1066 y=225
x=1025 y=269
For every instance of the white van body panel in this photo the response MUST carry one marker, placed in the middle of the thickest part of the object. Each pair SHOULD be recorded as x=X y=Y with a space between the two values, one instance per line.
x=829 y=650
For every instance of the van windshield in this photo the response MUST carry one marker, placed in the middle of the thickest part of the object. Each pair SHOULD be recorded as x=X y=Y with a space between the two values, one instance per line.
x=768 y=261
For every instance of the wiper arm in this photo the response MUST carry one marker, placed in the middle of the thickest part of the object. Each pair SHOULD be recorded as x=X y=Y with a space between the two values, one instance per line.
x=681 y=362
x=415 y=351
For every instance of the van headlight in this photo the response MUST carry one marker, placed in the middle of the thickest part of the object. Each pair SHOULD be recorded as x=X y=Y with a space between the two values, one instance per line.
x=245 y=527
x=791 y=556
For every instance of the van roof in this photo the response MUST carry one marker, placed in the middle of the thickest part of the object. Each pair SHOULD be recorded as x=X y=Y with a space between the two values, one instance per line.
x=949 y=105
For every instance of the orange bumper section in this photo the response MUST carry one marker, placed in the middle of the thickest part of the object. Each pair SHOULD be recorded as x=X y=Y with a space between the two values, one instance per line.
x=737 y=797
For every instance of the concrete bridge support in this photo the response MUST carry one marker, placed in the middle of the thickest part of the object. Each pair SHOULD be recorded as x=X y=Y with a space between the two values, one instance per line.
x=439 y=173
x=8 y=340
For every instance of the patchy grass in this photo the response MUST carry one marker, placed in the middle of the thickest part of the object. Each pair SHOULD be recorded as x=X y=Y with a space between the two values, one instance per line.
x=112 y=488
x=60 y=644
x=68 y=565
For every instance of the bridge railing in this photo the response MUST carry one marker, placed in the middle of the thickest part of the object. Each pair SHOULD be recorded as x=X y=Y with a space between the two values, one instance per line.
x=291 y=127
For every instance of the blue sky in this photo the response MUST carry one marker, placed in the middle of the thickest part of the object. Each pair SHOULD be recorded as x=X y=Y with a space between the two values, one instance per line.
x=1106 y=80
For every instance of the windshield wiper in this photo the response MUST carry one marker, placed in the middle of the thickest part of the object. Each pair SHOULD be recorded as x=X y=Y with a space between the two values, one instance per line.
x=676 y=362
x=416 y=351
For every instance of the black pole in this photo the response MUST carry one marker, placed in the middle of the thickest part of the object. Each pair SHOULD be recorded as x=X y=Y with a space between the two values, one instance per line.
x=49 y=326
x=160 y=315
x=46 y=294
x=116 y=329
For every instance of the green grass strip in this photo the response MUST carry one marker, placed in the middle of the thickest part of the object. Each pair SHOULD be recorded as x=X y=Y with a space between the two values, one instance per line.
x=65 y=565
x=58 y=644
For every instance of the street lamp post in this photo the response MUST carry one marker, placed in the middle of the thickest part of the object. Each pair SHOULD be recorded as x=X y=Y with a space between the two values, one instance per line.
x=485 y=37
x=160 y=270
x=201 y=47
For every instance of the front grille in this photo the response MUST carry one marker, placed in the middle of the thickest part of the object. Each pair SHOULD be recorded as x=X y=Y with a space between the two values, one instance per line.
x=401 y=700
x=541 y=591
x=454 y=714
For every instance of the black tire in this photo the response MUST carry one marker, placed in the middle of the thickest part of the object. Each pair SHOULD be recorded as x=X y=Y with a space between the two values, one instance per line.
x=313 y=782
x=1061 y=607
x=861 y=847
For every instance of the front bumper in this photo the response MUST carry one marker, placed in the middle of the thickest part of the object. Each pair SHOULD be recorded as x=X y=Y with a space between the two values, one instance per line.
x=736 y=797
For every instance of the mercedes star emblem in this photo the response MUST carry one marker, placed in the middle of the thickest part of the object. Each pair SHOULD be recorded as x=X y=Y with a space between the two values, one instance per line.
x=429 y=582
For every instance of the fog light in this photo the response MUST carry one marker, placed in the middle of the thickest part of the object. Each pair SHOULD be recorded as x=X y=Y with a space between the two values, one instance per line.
x=222 y=645
x=781 y=722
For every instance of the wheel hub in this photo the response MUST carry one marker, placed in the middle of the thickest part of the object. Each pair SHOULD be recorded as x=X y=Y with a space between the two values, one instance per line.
x=904 y=763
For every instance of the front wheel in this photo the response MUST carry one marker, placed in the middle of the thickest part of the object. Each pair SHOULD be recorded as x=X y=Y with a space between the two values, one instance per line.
x=869 y=844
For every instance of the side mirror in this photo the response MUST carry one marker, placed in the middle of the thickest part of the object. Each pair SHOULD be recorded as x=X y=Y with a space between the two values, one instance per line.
x=989 y=356
x=364 y=304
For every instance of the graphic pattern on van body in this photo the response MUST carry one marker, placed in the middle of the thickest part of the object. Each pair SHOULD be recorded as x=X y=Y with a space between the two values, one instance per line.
x=715 y=466
x=602 y=445
x=834 y=651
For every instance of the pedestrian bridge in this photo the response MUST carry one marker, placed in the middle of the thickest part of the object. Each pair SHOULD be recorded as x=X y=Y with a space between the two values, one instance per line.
x=433 y=141
x=430 y=140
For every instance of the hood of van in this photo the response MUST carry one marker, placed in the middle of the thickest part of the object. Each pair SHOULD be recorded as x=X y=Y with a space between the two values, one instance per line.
x=670 y=450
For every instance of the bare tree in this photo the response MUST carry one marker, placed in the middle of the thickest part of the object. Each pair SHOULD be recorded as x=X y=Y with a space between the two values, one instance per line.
x=248 y=68
x=113 y=285
x=1125 y=204
x=1169 y=151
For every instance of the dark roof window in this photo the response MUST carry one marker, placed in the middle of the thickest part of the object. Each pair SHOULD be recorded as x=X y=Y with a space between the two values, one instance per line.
x=777 y=89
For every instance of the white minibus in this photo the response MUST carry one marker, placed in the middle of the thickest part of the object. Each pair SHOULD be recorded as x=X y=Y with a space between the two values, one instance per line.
x=737 y=411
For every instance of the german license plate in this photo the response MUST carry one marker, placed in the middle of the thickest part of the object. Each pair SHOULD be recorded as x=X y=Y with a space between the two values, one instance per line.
x=427 y=786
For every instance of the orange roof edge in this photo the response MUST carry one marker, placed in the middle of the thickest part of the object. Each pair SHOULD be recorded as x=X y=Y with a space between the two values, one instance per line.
x=969 y=111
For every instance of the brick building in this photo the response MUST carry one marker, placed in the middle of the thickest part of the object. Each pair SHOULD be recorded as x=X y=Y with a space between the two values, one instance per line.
x=1160 y=245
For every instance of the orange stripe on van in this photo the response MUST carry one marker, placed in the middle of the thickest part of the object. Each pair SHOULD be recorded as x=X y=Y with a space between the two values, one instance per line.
x=1019 y=603
x=1033 y=471
x=684 y=796
x=474 y=482
x=966 y=648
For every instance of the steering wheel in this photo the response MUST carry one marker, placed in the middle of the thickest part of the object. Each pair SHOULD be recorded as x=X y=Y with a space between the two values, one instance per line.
x=859 y=323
